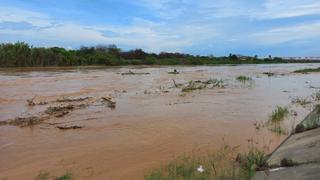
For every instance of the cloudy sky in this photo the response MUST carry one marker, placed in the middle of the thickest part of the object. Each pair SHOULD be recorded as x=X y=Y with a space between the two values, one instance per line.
x=218 y=27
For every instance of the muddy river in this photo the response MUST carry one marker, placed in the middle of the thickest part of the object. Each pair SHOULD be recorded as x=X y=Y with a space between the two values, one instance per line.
x=153 y=121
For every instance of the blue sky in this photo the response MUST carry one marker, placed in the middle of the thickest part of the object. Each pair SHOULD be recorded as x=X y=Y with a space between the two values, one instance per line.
x=206 y=27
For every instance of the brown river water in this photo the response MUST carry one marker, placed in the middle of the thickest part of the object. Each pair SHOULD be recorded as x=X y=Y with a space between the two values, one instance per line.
x=153 y=120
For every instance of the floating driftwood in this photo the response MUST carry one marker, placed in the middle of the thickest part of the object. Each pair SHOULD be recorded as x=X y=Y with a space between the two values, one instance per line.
x=23 y=121
x=269 y=73
x=59 y=111
x=134 y=73
x=69 y=127
x=195 y=85
x=67 y=99
x=177 y=85
x=111 y=102
x=58 y=108
x=31 y=102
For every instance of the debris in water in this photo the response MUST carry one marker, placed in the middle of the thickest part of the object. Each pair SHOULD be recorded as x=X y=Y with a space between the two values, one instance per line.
x=313 y=87
x=69 y=127
x=134 y=73
x=59 y=111
x=176 y=84
x=174 y=72
x=110 y=100
x=193 y=85
x=31 y=102
x=269 y=74
x=67 y=99
x=23 y=121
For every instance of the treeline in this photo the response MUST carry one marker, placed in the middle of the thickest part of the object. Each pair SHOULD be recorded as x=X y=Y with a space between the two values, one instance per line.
x=21 y=54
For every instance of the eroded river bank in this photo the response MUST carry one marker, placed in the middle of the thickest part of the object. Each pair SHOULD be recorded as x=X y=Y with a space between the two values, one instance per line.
x=157 y=115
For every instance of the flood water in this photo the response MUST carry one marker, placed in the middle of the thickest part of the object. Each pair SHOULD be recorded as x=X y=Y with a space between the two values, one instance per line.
x=153 y=120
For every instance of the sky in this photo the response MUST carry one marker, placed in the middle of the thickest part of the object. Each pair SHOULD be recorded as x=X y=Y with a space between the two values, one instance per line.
x=202 y=27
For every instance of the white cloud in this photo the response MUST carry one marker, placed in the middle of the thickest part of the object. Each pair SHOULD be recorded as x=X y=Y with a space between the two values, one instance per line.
x=180 y=24
x=141 y=33
x=274 y=9
x=10 y=14
x=286 y=34
x=269 y=9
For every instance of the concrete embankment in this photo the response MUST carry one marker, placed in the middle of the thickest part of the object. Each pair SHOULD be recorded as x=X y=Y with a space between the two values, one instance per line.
x=298 y=157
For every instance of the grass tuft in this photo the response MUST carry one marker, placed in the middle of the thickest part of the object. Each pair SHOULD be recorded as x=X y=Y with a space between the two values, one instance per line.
x=279 y=114
x=243 y=78
x=66 y=176
x=301 y=101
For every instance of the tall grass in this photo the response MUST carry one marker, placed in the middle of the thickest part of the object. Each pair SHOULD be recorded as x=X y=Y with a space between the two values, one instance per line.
x=222 y=164
x=279 y=114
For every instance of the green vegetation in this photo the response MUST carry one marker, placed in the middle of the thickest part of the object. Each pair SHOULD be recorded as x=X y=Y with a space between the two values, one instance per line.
x=312 y=121
x=222 y=164
x=316 y=96
x=278 y=129
x=276 y=118
x=255 y=159
x=301 y=101
x=21 y=54
x=66 y=176
x=43 y=175
x=308 y=70
x=243 y=78
x=279 y=114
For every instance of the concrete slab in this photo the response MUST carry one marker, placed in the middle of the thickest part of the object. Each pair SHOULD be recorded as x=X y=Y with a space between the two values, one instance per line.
x=300 y=148
x=301 y=172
